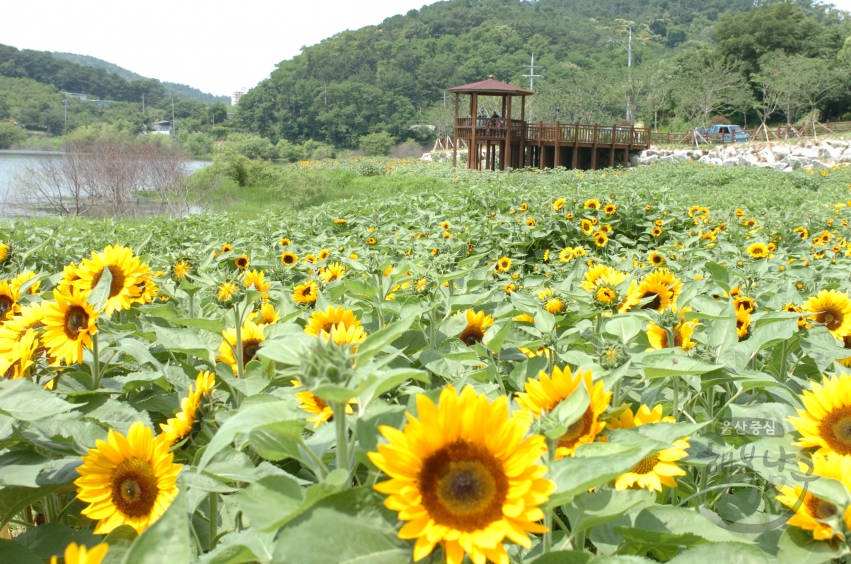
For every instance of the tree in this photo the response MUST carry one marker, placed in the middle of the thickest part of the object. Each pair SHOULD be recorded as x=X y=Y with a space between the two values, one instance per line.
x=10 y=134
x=377 y=144
x=217 y=113
x=706 y=84
x=768 y=93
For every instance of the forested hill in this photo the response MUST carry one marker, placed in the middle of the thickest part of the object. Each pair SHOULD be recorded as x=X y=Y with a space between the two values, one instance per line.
x=389 y=76
x=172 y=88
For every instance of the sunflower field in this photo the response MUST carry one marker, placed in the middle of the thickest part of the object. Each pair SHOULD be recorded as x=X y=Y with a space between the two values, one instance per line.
x=616 y=366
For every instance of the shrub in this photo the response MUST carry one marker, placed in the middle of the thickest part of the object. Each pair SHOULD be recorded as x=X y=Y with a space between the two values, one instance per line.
x=376 y=144
x=11 y=135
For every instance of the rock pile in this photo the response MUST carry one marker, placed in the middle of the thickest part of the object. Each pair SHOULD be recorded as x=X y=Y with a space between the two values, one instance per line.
x=784 y=157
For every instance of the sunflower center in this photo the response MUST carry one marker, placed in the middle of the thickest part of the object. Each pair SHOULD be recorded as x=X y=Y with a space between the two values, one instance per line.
x=463 y=486
x=134 y=487
x=655 y=303
x=819 y=508
x=577 y=429
x=472 y=335
x=117 y=279
x=646 y=465
x=831 y=319
x=288 y=259
x=76 y=319
x=6 y=304
x=249 y=349
x=835 y=429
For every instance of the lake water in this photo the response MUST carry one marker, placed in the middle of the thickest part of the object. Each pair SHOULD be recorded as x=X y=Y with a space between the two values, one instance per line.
x=12 y=163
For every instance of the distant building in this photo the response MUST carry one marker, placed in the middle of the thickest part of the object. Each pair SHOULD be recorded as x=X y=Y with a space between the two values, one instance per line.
x=161 y=127
x=234 y=99
x=77 y=95
x=101 y=103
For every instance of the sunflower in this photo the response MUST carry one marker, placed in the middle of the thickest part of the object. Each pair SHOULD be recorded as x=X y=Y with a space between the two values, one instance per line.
x=559 y=204
x=284 y=242
x=744 y=303
x=147 y=290
x=792 y=308
x=503 y=264
x=75 y=554
x=832 y=309
x=543 y=395
x=29 y=317
x=8 y=301
x=256 y=279
x=606 y=296
x=592 y=204
x=445 y=226
x=610 y=209
x=178 y=427
x=341 y=221
x=743 y=323
x=317 y=406
x=371 y=241
x=306 y=293
x=334 y=271
x=825 y=421
x=477 y=323
x=289 y=258
x=509 y=288
x=594 y=274
x=267 y=315
x=661 y=285
x=802 y=232
x=18 y=282
x=126 y=269
x=4 y=252
x=586 y=226
x=324 y=254
x=655 y=258
x=226 y=248
x=566 y=254
x=524 y=206
x=241 y=262
x=811 y=512
x=554 y=305
x=659 y=469
x=466 y=482
x=20 y=358
x=337 y=324
x=69 y=323
x=180 y=269
x=600 y=239
x=226 y=291
x=252 y=336
x=656 y=231
x=531 y=222
x=127 y=480
x=683 y=330
x=757 y=250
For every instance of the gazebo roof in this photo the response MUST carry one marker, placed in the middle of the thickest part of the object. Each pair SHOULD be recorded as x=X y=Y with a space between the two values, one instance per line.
x=490 y=87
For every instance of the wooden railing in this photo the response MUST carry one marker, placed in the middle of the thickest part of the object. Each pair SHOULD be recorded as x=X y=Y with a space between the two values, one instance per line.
x=494 y=129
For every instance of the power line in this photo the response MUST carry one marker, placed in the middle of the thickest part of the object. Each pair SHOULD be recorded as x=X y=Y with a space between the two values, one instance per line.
x=532 y=76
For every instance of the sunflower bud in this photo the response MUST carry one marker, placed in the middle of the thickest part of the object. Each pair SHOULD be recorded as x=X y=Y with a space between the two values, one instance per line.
x=327 y=363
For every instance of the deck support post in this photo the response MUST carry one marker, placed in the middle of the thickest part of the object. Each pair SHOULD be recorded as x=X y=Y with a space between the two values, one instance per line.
x=612 y=153
x=594 y=149
x=455 y=137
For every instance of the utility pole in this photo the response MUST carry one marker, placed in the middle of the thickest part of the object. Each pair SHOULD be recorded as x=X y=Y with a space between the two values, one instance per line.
x=173 y=125
x=532 y=76
x=629 y=69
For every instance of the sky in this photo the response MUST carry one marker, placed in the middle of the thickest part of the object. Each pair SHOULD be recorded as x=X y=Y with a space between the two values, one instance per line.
x=216 y=46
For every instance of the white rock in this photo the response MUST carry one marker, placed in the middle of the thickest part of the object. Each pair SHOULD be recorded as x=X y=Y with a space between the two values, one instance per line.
x=729 y=162
x=767 y=155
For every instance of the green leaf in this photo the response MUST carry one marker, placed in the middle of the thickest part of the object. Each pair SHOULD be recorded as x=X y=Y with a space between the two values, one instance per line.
x=15 y=499
x=591 y=509
x=797 y=546
x=277 y=441
x=566 y=413
x=27 y=401
x=119 y=541
x=51 y=539
x=101 y=292
x=273 y=502
x=565 y=557
x=187 y=341
x=13 y=552
x=384 y=337
x=167 y=540
x=241 y=548
x=625 y=328
x=726 y=552
x=495 y=336
x=349 y=527
x=671 y=364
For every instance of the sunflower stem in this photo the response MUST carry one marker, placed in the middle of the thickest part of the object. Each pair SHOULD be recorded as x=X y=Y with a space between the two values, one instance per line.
x=781 y=373
x=214 y=518
x=676 y=401
x=552 y=444
x=339 y=410
x=95 y=362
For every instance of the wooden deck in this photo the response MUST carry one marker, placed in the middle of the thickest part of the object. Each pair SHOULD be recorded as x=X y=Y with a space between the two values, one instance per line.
x=517 y=144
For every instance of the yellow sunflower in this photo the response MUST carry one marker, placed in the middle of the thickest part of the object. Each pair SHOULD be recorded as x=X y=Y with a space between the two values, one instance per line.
x=306 y=293
x=20 y=359
x=334 y=271
x=463 y=475
x=178 y=427
x=180 y=269
x=656 y=231
x=29 y=317
x=503 y=264
x=811 y=512
x=75 y=554
x=592 y=204
x=757 y=250
x=336 y=324
x=600 y=239
x=252 y=336
x=586 y=226
x=610 y=209
x=267 y=315
x=226 y=291
x=543 y=395
x=531 y=222
x=656 y=470
x=661 y=285
x=4 y=252
x=256 y=279
x=683 y=330
x=825 y=421
x=317 y=407
x=743 y=323
x=226 y=248
x=477 y=323
x=18 y=281
x=744 y=303
x=69 y=323
x=9 y=297
x=655 y=258
x=284 y=242
x=127 y=480
x=126 y=269
x=324 y=254
x=832 y=309
x=241 y=262
x=554 y=305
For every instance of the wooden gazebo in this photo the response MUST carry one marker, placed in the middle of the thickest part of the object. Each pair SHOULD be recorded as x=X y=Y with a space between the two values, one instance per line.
x=510 y=143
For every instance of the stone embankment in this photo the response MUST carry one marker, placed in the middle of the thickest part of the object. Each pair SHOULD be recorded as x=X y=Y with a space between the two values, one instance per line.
x=784 y=157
